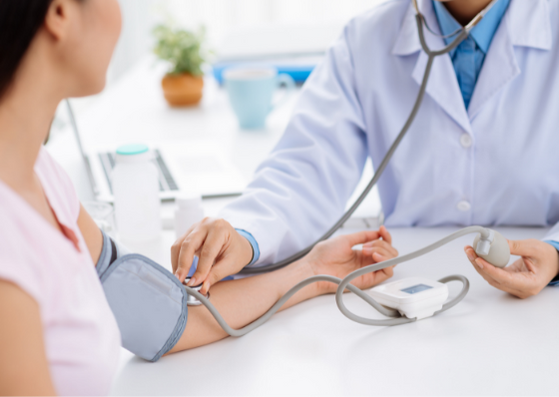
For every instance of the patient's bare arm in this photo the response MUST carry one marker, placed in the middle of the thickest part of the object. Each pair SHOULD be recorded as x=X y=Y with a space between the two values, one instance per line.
x=242 y=301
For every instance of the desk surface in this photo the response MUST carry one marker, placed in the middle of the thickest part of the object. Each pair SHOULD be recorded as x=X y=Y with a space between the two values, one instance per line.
x=490 y=344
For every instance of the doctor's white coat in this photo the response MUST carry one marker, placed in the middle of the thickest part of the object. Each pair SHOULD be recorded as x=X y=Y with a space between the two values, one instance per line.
x=495 y=163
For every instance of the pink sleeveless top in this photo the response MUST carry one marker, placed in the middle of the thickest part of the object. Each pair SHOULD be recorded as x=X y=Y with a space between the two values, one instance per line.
x=82 y=340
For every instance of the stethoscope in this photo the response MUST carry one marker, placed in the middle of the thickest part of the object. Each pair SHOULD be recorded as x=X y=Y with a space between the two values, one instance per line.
x=462 y=34
x=486 y=237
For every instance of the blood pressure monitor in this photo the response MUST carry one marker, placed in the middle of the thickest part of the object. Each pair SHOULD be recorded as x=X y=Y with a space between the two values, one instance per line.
x=414 y=297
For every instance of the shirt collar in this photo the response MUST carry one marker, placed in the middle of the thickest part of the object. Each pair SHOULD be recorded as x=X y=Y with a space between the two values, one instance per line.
x=482 y=33
x=529 y=25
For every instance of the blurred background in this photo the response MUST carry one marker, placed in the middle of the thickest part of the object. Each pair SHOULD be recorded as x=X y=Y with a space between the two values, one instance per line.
x=206 y=146
x=292 y=31
x=237 y=29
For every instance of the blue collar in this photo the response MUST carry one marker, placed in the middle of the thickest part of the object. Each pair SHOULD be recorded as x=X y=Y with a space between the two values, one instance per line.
x=482 y=33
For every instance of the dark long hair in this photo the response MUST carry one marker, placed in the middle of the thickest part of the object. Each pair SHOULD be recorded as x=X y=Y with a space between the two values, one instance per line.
x=19 y=22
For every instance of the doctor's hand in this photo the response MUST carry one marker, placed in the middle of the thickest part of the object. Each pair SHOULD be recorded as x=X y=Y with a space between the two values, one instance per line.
x=220 y=249
x=538 y=265
x=336 y=257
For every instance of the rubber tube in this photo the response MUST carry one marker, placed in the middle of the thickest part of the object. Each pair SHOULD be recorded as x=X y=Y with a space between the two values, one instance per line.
x=385 y=160
x=345 y=284
x=401 y=259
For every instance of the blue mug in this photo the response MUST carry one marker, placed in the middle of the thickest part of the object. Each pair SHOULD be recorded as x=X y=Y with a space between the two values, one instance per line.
x=251 y=90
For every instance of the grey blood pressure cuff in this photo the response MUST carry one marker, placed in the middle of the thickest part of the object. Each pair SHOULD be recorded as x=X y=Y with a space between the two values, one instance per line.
x=148 y=301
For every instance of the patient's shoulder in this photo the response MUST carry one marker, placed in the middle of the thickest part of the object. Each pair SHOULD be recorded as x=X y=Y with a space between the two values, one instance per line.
x=58 y=187
x=30 y=247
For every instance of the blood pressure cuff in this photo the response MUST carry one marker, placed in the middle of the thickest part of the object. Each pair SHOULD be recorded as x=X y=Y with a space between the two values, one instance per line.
x=148 y=301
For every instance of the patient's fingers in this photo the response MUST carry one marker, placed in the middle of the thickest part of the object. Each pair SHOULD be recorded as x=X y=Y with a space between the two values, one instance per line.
x=386 y=254
x=381 y=247
x=388 y=272
x=386 y=245
x=361 y=237
x=386 y=236
x=377 y=277
x=378 y=257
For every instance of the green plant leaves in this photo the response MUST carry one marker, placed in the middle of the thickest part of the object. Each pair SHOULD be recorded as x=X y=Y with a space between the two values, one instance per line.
x=181 y=48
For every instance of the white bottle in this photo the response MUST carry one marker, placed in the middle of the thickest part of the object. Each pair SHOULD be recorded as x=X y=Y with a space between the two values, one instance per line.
x=135 y=186
x=189 y=211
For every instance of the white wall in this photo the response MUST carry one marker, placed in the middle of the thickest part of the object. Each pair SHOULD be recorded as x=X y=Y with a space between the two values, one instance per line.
x=237 y=27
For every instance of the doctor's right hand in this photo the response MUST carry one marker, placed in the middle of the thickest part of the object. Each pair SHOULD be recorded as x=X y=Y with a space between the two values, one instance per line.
x=221 y=250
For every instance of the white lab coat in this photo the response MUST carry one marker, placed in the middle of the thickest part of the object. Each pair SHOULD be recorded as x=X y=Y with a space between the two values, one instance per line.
x=496 y=163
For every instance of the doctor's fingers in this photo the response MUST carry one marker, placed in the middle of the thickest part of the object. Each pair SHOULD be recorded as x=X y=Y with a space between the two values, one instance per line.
x=212 y=248
x=479 y=266
x=176 y=248
x=187 y=248
x=512 y=283
x=516 y=282
x=526 y=248
x=220 y=270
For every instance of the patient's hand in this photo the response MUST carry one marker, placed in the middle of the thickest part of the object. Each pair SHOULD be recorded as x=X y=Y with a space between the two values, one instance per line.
x=336 y=257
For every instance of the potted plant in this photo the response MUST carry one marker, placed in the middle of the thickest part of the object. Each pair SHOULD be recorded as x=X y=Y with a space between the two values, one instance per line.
x=183 y=84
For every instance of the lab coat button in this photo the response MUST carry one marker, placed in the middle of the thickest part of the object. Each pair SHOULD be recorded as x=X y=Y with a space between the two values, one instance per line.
x=466 y=141
x=463 y=206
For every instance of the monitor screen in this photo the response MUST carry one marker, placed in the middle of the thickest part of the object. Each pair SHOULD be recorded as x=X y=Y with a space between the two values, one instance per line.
x=416 y=288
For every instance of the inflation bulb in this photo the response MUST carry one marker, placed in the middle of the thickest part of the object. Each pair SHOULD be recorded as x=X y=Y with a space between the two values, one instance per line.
x=494 y=248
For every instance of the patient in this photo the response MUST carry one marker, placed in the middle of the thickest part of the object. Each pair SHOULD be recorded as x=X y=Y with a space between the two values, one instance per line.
x=57 y=333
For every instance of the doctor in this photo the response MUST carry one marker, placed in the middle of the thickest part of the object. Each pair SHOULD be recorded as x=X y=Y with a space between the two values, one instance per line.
x=482 y=150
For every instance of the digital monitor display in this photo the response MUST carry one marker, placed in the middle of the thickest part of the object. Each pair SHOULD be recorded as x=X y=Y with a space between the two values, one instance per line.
x=416 y=288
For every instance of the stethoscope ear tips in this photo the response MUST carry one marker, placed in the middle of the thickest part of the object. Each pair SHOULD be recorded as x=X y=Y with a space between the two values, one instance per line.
x=494 y=249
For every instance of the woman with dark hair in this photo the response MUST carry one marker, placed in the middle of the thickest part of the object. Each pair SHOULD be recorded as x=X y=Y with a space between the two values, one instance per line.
x=57 y=332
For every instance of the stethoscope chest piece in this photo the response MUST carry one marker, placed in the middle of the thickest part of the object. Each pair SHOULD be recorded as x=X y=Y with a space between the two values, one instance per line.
x=191 y=300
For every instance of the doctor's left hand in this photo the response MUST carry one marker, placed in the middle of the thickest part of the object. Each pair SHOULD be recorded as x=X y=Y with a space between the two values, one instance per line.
x=538 y=265
x=336 y=257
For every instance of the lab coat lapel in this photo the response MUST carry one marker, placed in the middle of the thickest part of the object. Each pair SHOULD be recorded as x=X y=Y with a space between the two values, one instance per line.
x=499 y=69
x=526 y=23
x=442 y=86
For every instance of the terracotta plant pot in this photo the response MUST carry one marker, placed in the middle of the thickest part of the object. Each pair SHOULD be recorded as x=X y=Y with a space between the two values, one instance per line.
x=182 y=89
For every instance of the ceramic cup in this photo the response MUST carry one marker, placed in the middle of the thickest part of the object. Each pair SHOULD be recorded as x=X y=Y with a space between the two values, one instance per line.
x=251 y=91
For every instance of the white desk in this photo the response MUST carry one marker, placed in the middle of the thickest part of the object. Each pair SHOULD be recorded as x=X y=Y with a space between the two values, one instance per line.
x=490 y=343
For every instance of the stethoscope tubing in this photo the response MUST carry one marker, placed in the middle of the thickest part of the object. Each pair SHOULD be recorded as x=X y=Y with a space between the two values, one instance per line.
x=345 y=283
x=384 y=163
